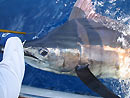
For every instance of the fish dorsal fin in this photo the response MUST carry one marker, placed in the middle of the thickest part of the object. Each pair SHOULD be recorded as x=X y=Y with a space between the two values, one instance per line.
x=65 y=36
x=82 y=9
x=76 y=31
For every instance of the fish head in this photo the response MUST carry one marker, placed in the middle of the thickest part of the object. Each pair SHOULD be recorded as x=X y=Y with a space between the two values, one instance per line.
x=52 y=59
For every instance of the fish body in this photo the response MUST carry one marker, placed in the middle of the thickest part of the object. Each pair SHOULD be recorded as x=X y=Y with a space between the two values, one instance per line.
x=80 y=42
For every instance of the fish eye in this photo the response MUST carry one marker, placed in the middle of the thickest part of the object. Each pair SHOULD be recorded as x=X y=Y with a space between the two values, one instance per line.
x=43 y=52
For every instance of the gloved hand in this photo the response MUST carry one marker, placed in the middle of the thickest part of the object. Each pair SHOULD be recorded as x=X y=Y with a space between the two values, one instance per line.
x=5 y=36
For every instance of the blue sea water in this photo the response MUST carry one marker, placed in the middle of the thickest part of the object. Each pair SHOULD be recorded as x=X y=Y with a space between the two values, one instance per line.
x=38 y=17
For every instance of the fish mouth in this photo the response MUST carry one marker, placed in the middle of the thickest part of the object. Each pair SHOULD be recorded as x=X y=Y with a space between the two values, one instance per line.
x=26 y=53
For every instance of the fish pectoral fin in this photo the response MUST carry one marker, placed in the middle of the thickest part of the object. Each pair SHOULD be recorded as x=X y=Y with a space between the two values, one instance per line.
x=93 y=83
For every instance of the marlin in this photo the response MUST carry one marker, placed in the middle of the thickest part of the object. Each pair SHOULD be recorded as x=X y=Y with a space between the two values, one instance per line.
x=86 y=38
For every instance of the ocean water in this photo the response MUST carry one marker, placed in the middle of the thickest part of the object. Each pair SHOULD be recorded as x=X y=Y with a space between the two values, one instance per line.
x=38 y=17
